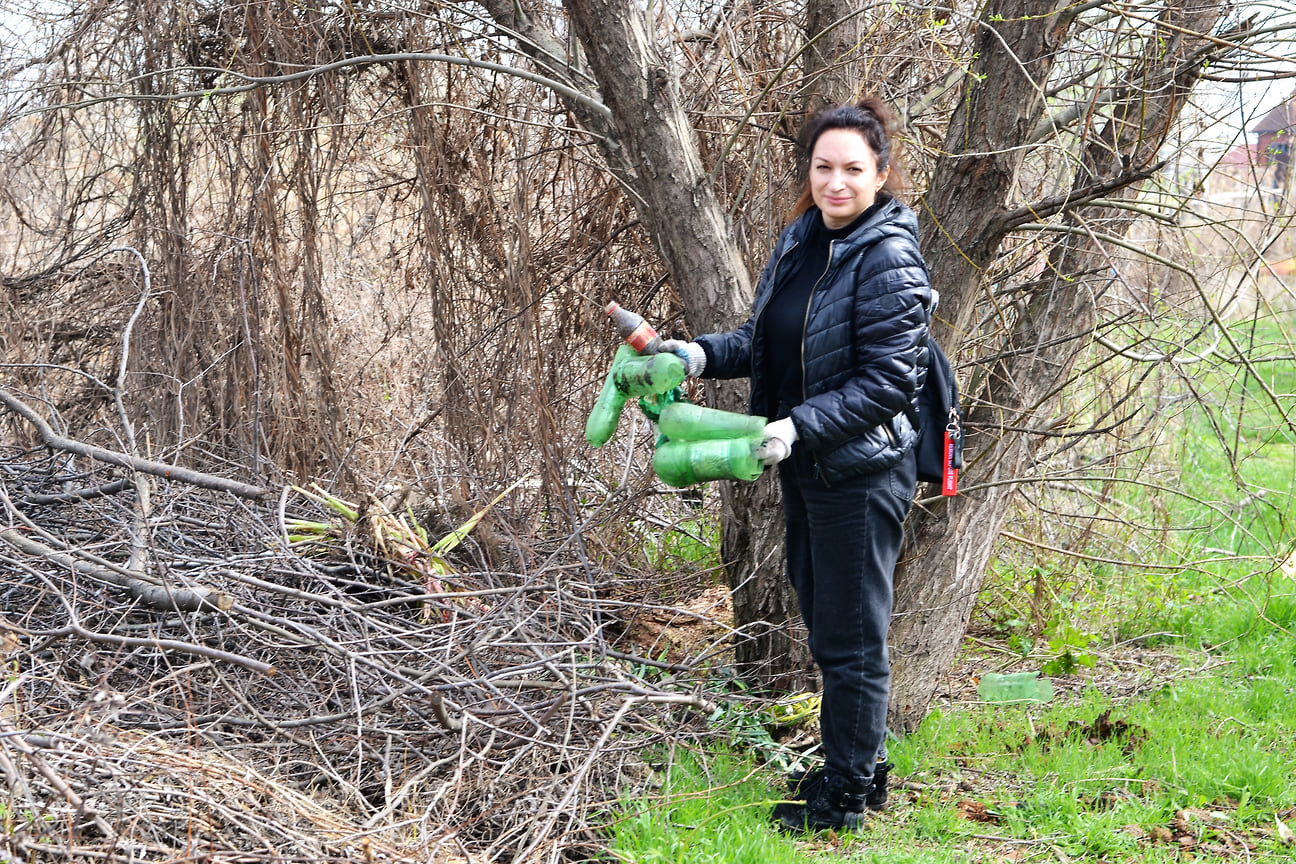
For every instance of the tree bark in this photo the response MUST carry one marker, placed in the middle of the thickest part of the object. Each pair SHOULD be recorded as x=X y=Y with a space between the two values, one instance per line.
x=675 y=199
x=950 y=545
x=649 y=145
x=831 y=65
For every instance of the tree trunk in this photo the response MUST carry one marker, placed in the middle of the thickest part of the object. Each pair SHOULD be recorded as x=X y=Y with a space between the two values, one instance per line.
x=834 y=31
x=675 y=199
x=950 y=546
x=680 y=209
x=649 y=144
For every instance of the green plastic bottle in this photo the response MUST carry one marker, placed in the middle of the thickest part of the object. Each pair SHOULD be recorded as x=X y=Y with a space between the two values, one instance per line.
x=630 y=375
x=606 y=413
x=647 y=376
x=684 y=463
x=688 y=422
x=1025 y=688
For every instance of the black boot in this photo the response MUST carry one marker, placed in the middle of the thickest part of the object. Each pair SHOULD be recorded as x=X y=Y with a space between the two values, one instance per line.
x=801 y=785
x=877 y=796
x=831 y=803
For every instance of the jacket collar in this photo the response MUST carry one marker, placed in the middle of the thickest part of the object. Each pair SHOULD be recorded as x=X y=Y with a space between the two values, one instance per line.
x=893 y=217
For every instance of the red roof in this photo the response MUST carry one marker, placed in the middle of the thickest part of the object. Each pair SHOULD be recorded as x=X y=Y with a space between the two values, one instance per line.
x=1244 y=155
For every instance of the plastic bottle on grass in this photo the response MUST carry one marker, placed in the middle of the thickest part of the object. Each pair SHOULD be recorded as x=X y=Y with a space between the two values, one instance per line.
x=1025 y=688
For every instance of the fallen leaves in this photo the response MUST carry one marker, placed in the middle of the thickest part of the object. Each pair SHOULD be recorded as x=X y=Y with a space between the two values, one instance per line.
x=1102 y=731
x=1204 y=832
x=977 y=811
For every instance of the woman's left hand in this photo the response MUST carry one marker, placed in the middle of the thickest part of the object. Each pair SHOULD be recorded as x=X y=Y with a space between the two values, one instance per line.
x=779 y=438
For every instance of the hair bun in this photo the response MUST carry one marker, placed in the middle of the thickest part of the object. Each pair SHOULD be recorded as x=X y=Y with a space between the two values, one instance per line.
x=875 y=106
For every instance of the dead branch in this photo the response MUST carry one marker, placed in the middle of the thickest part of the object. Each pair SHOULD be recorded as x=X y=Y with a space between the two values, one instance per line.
x=112 y=487
x=166 y=598
x=11 y=738
x=111 y=457
x=160 y=644
x=371 y=671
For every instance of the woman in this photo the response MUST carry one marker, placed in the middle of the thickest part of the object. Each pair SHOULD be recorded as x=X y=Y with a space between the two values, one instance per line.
x=836 y=348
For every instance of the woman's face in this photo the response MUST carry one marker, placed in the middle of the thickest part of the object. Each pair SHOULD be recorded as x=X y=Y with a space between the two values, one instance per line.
x=844 y=180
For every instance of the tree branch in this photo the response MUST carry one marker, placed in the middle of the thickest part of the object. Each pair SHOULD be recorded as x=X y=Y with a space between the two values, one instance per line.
x=84 y=494
x=254 y=82
x=1072 y=198
x=165 y=598
x=162 y=644
x=112 y=457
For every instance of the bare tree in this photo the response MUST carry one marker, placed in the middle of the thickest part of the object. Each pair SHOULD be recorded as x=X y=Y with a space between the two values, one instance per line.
x=1037 y=335
x=381 y=237
x=1011 y=108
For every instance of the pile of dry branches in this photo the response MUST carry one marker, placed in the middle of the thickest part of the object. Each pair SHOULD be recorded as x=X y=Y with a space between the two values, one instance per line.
x=185 y=681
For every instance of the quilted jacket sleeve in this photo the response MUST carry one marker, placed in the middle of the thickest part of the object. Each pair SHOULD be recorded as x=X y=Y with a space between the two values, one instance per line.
x=728 y=354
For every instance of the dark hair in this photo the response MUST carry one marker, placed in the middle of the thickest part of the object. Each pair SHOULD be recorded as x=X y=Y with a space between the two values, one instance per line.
x=874 y=122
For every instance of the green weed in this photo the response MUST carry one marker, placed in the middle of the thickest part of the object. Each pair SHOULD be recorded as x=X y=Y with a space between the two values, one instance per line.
x=1196 y=765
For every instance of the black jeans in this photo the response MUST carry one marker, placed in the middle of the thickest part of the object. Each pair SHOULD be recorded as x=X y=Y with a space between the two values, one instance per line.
x=842 y=545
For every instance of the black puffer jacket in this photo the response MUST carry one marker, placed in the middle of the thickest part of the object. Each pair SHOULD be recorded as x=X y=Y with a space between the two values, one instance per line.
x=863 y=349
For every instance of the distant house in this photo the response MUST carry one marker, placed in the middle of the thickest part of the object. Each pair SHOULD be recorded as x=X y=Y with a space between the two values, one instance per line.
x=1274 y=134
x=1259 y=170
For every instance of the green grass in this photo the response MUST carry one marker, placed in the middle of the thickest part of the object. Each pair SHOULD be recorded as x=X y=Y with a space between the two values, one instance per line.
x=1173 y=735
x=1237 y=452
x=714 y=807
x=1199 y=763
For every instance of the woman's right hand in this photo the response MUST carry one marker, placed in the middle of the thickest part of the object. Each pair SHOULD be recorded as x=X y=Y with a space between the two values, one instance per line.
x=690 y=352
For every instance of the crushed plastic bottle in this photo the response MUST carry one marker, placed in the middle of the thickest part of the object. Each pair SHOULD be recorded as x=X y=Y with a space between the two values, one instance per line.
x=683 y=463
x=689 y=422
x=630 y=375
x=1025 y=688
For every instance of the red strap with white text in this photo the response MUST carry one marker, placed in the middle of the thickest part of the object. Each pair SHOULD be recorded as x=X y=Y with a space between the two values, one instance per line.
x=953 y=437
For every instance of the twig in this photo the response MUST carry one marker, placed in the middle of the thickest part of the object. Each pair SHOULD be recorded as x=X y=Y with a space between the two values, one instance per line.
x=59 y=784
x=442 y=715
x=84 y=494
x=257 y=82
x=539 y=834
x=75 y=629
